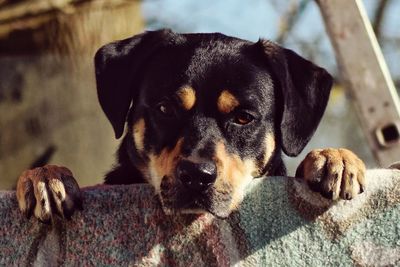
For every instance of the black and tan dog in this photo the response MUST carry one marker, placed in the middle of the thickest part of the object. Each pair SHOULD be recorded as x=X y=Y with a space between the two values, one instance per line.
x=205 y=113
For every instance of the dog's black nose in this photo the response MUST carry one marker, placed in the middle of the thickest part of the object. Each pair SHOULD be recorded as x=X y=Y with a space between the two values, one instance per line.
x=196 y=176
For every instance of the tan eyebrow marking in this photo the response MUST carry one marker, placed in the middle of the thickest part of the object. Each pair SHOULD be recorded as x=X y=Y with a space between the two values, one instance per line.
x=187 y=95
x=227 y=102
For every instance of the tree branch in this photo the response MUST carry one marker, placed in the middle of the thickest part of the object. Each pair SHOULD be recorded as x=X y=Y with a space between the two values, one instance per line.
x=378 y=18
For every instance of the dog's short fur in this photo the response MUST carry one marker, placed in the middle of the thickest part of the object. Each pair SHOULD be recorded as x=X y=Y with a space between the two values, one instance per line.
x=204 y=114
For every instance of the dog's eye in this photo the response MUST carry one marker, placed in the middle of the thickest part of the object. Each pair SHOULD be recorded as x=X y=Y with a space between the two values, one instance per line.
x=243 y=118
x=166 y=109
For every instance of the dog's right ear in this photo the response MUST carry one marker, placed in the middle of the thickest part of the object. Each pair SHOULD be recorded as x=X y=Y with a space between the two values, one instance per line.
x=118 y=66
x=304 y=89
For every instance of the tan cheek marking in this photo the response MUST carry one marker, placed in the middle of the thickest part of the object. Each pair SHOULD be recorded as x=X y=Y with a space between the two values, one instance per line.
x=138 y=134
x=164 y=164
x=269 y=147
x=187 y=95
x=227 y=102
x=234 y=171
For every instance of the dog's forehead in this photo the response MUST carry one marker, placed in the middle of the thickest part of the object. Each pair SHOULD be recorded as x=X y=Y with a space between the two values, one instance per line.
x=208 y=65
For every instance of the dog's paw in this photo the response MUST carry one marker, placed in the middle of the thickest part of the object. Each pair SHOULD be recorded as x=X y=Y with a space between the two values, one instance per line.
x=46 y=191
x=333 y=172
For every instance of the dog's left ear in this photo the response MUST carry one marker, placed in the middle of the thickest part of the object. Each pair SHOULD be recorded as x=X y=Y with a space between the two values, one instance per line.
x=305 y=90
x=118 y=67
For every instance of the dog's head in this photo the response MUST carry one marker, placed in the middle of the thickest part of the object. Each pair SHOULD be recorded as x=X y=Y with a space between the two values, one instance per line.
x=206 y=112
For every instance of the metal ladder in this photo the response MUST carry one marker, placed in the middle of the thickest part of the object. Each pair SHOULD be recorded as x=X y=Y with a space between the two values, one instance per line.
x=365 y=73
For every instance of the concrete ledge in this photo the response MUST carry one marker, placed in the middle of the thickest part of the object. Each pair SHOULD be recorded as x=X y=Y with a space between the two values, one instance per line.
x=280 y=223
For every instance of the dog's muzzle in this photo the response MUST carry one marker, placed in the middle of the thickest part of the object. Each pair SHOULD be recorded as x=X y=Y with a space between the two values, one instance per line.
x=193 y=190
x=196 y=177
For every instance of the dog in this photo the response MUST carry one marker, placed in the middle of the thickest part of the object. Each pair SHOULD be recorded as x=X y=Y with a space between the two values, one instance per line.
x=201 y=115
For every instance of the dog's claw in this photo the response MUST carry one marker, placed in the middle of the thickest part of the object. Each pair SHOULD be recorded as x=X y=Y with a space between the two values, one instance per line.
x=46 y=191
x=335 y=173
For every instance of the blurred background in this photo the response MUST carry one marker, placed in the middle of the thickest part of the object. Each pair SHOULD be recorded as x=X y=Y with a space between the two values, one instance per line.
x=49 y=111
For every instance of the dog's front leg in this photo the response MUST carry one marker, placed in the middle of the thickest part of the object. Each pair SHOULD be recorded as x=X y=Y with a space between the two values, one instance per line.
x=335 y=173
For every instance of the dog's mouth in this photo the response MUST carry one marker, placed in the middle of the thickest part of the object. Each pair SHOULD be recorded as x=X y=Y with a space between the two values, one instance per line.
x=175 y=198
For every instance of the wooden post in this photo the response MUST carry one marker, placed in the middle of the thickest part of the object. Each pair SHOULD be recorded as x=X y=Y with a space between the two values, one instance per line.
x=365 y=73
